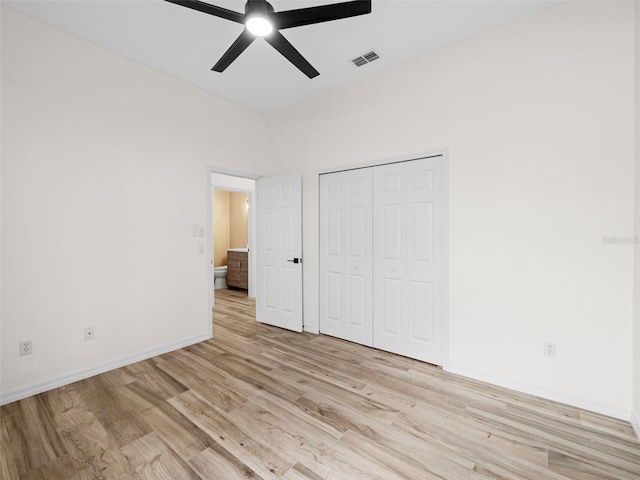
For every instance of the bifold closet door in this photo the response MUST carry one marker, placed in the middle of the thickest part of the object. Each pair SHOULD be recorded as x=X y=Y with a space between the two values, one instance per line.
x=346 y=262
x=408 y=259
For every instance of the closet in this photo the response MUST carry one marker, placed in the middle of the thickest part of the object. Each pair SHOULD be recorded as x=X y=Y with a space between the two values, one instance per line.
x=382 y=257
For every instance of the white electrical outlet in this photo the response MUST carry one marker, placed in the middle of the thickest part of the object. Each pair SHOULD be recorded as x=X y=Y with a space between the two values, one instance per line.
x=89 y=333
x=26 y=348
x=550 y=349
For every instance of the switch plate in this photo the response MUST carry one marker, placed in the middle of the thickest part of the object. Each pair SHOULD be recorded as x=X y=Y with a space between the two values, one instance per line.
x=195 y=230
x=201 y=249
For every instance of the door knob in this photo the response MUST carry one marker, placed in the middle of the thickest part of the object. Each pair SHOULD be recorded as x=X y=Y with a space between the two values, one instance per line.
x=295 y=260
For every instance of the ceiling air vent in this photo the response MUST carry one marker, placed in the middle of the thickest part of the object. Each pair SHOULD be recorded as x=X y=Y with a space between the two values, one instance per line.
x=365 y=58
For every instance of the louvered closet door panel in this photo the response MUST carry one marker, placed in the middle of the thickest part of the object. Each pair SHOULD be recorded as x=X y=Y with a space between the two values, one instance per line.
x=346 y=263
x=389 y=257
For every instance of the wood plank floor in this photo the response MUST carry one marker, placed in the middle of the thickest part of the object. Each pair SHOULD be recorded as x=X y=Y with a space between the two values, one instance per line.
x=263 y=403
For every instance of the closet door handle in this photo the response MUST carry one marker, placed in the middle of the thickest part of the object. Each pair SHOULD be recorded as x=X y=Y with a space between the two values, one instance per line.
x=295 y=260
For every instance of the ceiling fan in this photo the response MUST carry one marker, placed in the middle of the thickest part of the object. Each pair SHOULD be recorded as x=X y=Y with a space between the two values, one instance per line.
x=260 y=20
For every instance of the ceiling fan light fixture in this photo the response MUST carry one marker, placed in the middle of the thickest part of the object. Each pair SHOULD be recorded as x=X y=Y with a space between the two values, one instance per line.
x=258 y=25
x=260 y=20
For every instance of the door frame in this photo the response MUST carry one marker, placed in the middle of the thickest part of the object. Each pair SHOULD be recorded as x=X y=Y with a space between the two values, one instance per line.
x=444 y=153
x=252 y=230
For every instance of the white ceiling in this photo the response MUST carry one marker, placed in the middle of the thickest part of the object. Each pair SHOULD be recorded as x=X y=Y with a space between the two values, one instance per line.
x=185 y=43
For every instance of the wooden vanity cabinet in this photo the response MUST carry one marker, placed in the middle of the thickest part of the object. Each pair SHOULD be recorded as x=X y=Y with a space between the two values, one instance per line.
x=238 y=269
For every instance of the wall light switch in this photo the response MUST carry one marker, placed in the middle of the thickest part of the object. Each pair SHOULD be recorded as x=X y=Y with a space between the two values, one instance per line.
x=195 y=230
x=201 y=249
x=201 y=231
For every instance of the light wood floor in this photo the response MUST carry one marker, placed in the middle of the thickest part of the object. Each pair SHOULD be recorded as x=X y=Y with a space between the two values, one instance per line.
x=260 y=402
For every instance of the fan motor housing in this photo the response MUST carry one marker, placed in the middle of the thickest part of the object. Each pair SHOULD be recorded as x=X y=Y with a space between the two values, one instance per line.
x=258 y=8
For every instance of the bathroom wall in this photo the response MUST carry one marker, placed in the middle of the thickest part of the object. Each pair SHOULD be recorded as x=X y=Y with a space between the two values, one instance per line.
x=230 y=223
x=220 y=227
x=238 y=220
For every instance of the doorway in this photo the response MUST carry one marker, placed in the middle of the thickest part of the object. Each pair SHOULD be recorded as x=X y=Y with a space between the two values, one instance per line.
x=230 y=239
x=274 y=250
x=231 y=226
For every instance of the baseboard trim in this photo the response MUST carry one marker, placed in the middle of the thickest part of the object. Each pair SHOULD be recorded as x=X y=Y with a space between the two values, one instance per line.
x=596 y=406
x=635 y=423
x=43 y=386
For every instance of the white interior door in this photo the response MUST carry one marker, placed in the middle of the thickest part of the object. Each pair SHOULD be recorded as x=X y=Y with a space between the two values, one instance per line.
x=346 y=263
x=424 y=204
x=409 y=259
x=279 y=252
x=389 y=257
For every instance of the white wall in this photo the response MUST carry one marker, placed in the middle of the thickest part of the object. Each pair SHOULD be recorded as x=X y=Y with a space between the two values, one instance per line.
x=104 y=173
x=636 y=283
x=103 y=164
x=229 y=182
x=538 y=118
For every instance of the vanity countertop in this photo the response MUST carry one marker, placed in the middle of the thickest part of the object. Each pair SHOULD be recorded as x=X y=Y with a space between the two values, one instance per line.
x=237 y=250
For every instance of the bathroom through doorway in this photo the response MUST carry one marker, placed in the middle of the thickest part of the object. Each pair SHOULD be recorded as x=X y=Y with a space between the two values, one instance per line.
x=232 y=233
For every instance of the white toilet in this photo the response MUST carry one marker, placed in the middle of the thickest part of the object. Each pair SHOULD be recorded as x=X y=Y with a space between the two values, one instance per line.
x=220 y=277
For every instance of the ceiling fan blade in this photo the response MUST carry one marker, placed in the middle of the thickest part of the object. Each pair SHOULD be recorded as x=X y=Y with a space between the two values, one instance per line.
x=281 y=44
x=236 y=48
x=321 y=13
x=210 y=9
